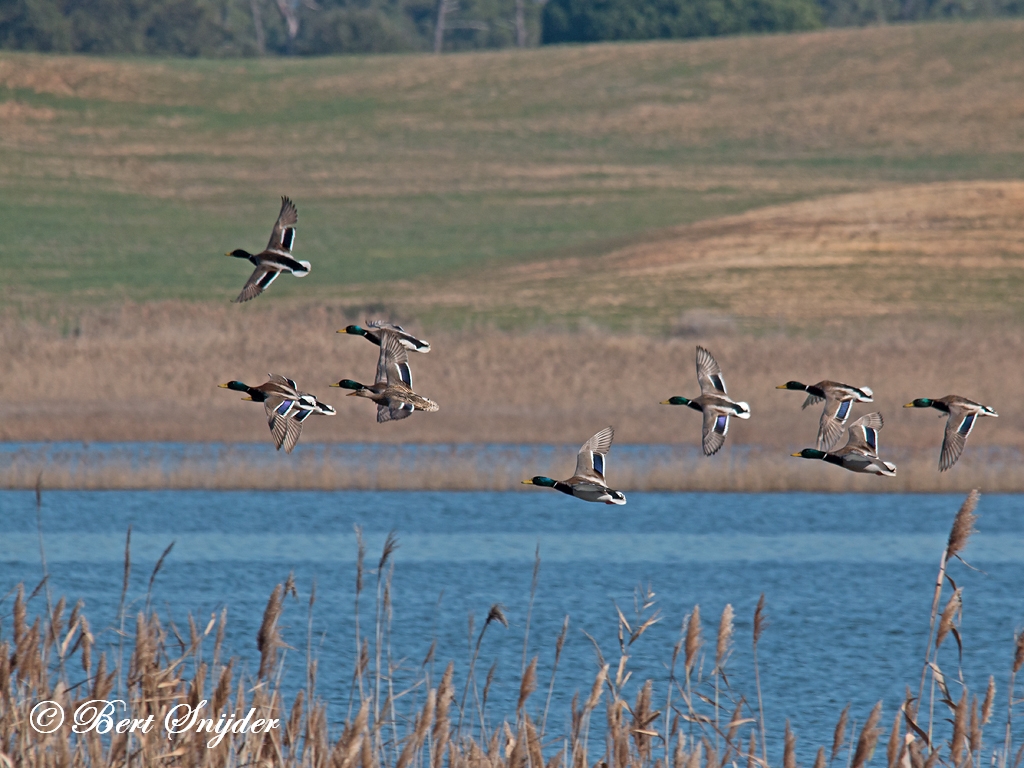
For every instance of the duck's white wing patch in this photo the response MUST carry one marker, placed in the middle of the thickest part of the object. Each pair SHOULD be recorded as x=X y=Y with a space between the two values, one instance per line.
x=396 y=360
x=590 y=461
x=715 y=428
x=283 y=234
x=258 y=281
x=958 y=427
x=863 y=435
x=709 y=373
x=833 y=419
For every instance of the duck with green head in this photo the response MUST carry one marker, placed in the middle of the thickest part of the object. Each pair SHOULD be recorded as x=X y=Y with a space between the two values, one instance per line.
x=276 y=257
x=375 y=329
x=860 y=454
x=962 y=414
x=392 y=390
x=714 y=403
x=588 y=482
x=285 y=406
x=839 y=399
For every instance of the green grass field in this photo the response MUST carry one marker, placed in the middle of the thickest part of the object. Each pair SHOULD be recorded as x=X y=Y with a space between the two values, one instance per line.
x=129 y=179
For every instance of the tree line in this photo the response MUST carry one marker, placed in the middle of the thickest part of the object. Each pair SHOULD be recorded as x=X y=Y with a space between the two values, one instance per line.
x=225 y=28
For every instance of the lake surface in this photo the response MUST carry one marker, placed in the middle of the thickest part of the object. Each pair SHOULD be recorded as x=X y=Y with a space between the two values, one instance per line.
x=848 y=581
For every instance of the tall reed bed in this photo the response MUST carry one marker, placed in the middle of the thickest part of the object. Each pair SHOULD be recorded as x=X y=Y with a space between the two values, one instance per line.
x=696 y=717
x=482 y=468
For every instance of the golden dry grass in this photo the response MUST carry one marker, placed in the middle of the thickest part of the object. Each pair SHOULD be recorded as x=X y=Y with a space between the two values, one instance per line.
x=151 y=373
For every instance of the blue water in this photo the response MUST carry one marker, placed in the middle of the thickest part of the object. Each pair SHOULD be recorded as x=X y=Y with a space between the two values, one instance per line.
x=848 y=581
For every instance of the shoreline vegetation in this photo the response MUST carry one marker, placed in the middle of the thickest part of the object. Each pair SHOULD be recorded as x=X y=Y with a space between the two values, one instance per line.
x=475 y=467
x=408 y=715
x=128 y=398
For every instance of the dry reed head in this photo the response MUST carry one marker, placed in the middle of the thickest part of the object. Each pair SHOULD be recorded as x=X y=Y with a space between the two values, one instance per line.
x=488 y=683
x=959 y=736
x=949 y=617
x=819 y=758
x=596 y=689
x=268 y=639
x=497 y=613
x=1018 y=653
x=693 y=639
x=560 y=642
x=441 y=732
x=892 y=749
x=695 y=756
x=734 y=725
x=868 y=738
x=974 y=730
x=725 y=627
x=990 y=697
x=789 y=748
x=527 y=685
x=760 y=620
x=390 y=545
x=963 y=525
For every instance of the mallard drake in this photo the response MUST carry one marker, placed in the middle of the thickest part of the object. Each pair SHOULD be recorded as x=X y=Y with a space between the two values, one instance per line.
x=277 y=257
x=860 y=454
x=962 y=415
x=392 y=390
x=839 y=398
x=588 y=483
x=373 y=330
x=286 y=407
x=713 y=402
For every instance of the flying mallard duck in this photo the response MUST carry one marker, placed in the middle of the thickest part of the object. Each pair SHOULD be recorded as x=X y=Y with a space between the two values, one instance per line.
x=716 y=405
x=839 y=398
x=588 y=482
x=392 y=390
x=962 y=415
x=286 y=407
x=373 y=332
x=860 y=454
x=277 y=257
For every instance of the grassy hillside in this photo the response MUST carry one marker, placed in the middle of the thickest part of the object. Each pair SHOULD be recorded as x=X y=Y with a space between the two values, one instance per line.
x=130 y=179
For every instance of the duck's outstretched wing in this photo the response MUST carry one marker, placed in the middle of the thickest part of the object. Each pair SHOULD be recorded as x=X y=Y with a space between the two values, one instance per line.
x=709 y=374
x=958 y=427
x=394 y=412
x=863 y=435
x=258 y=282
x=833 y=420
x=278 y=409
x=292 y=429
x=591 y=460
x=408 y=340
x=283 y=235
x=715 y=428
x=395 y=360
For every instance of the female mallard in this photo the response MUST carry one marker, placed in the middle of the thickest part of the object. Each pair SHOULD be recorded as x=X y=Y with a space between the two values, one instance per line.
x=860 y=454
x=715 y=404
x=392 y=390
x=286 y=407
x=839 y=398
x=962 y=415
x=588 y=482
x=373 y=333
x=277 y=257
